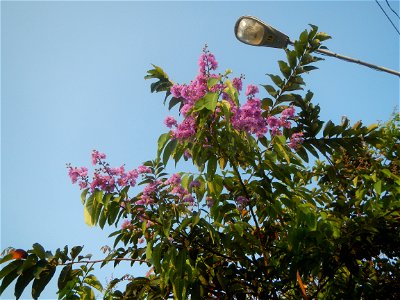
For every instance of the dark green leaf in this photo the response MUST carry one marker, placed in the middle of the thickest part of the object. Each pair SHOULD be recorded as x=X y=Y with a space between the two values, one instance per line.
x=93 y=282
x=169 y=148
x=75 y=251
x=39 y=250
x=162 y=140
x=39 y=284
x=10 y=277
x=64 y=276
x=276 y=79
x=283 y=66
x=10 y=267
x=292 y=58
x=211 y=167
x=322 y=36
x=174 y=101
x=23 y=280
x=266 y=103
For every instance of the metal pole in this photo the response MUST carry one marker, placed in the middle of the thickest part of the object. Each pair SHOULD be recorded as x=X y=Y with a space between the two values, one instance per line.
x=356 y=61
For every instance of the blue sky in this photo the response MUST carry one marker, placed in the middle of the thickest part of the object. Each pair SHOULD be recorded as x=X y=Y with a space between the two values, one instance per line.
x=72 y=81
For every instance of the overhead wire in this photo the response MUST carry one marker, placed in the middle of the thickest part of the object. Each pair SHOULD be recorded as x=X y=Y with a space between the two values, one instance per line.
x=387 y=17
x=387 y=2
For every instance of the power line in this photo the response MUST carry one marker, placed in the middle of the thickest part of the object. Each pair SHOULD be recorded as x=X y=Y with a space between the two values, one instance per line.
x=387 y=17
x=387 y=2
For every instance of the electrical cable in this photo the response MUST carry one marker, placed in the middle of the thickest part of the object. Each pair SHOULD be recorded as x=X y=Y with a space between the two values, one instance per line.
x=387 y=2
x=387 y=17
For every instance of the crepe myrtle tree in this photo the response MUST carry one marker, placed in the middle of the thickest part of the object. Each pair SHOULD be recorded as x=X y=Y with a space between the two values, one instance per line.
x=282 y=206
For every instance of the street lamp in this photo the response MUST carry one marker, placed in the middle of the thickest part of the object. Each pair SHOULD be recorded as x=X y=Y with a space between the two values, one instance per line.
x=252 y=31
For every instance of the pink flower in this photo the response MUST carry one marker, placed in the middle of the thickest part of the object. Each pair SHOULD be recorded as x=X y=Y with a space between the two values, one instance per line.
x=242 y=200
x=143 y=170
x=207 y=62
x=194 y=183
x=209 y=201
x=188 y=199
x=288 y=112
x=75 y=173
x=82 y=184
x=187 y=154
x=186 y=129
x=117 y=171
x=175 y=179
x=97 y=156
x=170 y=121
x=237 y=83
x=248 y=118
x=251 y=90
x=180 y=191
x=274 y=124
x=126 y=224
x=176 y=90
x=296 y=140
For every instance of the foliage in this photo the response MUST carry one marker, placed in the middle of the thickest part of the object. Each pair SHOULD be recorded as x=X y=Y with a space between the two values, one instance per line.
x=283 y=206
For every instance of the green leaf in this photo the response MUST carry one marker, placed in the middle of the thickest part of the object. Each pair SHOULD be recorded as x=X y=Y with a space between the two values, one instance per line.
x=83 y=195
x=168 y=151
x=87 y=293
x=212 y=81
x=26 y=277
x=10 y=267
x=378 y=187
x=302 y=153
x=93 y=282
x=162 y=140
x=285 y=69
x=270 y=89
x=266 y=103
x=276 y=79
x=285 y=98
x=39 y=250
x=163 y=83
x=88 y=210
x=292 y=58
x=304 y=37
x=174 y=101
x=75 y=251
x=6 y=258
x=10 y=277
x=209 y=101
x=211 y=167
x=309 y=68
x=39 y=284
x=328 y=128
x=149 y=250
x=322 y=36
x=282 y=152
x=64 y=276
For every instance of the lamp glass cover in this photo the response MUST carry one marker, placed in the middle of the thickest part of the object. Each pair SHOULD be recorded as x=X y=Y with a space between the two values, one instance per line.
x=250 y=31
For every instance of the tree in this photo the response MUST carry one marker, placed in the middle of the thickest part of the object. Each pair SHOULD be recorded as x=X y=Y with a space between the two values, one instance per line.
x=283 y=205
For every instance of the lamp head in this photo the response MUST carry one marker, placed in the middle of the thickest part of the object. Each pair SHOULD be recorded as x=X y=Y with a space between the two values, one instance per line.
x=252 y=31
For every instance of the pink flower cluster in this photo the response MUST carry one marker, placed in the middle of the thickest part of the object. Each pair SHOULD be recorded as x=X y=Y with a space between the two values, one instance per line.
x=248 y=117
x=241 y=202
x=76 y=174
x=177 y=189
x=296 y=140
x=105 y=178
x=191 y=93
x=149 y=192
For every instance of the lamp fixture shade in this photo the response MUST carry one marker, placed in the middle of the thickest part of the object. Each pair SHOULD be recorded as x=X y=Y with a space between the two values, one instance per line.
x=252 y=31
